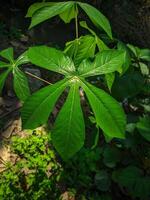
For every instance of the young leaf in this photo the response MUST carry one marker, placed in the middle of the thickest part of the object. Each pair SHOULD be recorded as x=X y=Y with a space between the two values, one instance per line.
x=145 y=54
x=38 y=107
x=3 y=77
x=71 y=48
x=100 y=44
x=50 y=11
x=21 y=84
x=51 y=59
x=83 y=48
x=69 y=132
x=36 y=6
x=8 y=54
x=105 y=62
x=108 y=113
x=22 y=59
x=97 y=18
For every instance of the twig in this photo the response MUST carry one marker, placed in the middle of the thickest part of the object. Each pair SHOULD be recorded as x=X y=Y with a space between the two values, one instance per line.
x=41 y=79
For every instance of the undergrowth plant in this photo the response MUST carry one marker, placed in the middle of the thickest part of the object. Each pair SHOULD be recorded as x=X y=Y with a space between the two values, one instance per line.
x=84 y=57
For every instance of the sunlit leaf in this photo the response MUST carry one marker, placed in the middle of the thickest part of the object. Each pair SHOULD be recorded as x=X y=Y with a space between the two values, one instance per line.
x=38 y=107
x=69 y=132
x=97 y=17
x=51 y=59
x=108 y=113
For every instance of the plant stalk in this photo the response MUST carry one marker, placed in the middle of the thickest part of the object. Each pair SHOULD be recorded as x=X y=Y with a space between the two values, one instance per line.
x=76 y=21
x=41 y=79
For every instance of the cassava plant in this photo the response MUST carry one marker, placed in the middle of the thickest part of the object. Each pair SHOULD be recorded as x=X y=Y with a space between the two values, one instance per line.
x=86 y=56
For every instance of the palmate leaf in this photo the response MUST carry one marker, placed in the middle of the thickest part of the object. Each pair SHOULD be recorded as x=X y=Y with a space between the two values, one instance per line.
x=100 y=44
x=48 y=12
x=20 y=84
x=20 y=81
x=105 y=62
x=81 y=49
x=97 y=18
x=38 y=107
x=108 y=113
x=51 y=59
x=67 y=11
x=69 y=132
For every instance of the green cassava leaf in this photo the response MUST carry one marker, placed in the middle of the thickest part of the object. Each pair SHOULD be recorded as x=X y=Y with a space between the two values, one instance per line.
x=21 y=84
x=22 y=59
x=145 y=54
x=4 y=64
x=108 y=113
x=100 y=44
x=143 y=127
x=105 y=62
x=38 y=107
x=97 y=18
x=48 y=12
x=127 y=58
x=8 y=54
x=51 y=59
x=69 y=132
x=36 y=6
x=144 y=68
x=134 y=50
x=71 y=48
x=69 y=14
x=110 y=78
x=3 y=77
x=81 y=48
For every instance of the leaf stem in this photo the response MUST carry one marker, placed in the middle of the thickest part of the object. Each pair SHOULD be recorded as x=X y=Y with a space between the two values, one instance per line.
x=76 y=21
x=41 y=79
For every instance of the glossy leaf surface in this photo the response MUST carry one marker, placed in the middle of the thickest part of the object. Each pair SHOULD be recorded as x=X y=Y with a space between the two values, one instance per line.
x=69 y=132
x=51 y=59
x=38 y=107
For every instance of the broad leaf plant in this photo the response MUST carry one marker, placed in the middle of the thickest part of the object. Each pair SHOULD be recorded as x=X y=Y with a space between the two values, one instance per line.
x=86 y=56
